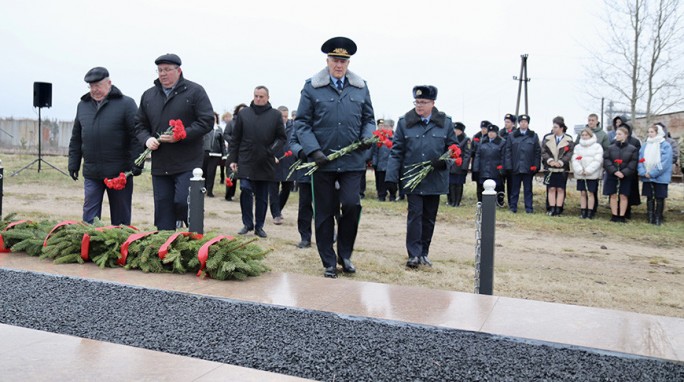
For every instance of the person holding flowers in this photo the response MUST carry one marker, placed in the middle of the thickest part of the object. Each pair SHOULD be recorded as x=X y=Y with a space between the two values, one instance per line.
x=423 y=144
x=279 y=189
x=379 y=157
x=587 y=166
x=620 y=164
x=104 y=138
x=174 y=156
x=556 y=156
x=489 y=159
x=522 y=159
x=335 y=111
x=457 y=174
x=655 y=171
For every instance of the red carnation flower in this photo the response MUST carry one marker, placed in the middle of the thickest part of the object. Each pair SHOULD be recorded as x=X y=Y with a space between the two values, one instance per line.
x=288 y=153
x=642 y=160
x=459 y=161
x=533 y=168
x=566 y=148
x=476 y=139
x=118 y=183
x=579 y=157
x=388 y=143
x=618 y=161
x=499 y=167
x=455 y=151
x=178 y=129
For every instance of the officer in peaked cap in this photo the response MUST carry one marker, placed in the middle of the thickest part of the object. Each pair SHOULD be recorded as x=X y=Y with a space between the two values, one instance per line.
x=353 y=121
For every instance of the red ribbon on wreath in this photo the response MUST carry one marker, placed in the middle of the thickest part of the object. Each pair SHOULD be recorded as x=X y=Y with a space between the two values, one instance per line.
x=10 y=225
x=58 y=226
x=164 y=249
x=124 y=247
x=85 y=241
x=203 y=253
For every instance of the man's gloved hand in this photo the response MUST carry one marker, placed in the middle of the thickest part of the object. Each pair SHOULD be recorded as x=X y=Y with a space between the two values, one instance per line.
x=137 y=170
x=74 y=174
x=364 y=146
x=391 y=187
x=439 y=164
x=319 y=158
x=302 y=156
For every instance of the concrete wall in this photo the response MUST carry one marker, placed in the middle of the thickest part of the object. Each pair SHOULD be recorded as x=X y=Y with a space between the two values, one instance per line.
x=21 y=136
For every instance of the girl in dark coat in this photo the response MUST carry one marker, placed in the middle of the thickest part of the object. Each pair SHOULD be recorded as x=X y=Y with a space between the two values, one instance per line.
x=620 y=164
x=489 y=159
x=457 y=174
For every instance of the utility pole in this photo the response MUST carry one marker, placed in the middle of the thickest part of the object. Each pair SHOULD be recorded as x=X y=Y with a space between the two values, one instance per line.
x=523 y=79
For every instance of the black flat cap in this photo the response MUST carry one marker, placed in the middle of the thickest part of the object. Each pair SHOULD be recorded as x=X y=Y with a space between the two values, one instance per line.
x=524 y=117
x=425 y=92
x=493 y=128
x=168 y=58
x=459 y=126
x=96 y=74
x=339 y=47
x=510 y=117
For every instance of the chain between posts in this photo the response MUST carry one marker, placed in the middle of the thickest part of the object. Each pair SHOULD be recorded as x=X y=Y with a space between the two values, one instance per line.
x=478 y=247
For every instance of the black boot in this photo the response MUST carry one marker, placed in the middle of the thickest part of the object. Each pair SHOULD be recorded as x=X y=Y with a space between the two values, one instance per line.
x=659 y=207
x=451 y=196
x=591 y=214
x=459 y=194
x=558 y=211
x=614 y=218
x=584 y=213
x=650 y=210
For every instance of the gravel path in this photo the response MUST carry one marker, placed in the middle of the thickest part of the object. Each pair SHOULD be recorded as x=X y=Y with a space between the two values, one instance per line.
x=309 y=344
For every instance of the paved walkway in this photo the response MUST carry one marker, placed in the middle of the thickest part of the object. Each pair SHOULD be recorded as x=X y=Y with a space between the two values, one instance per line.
x=27 y=354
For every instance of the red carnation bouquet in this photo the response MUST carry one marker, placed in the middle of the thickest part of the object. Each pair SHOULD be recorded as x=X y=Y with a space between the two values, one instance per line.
x=176 y=129
x=416 y=172
x=229 y=179
x=380 y=138
x=618 y=162
x=288 y=153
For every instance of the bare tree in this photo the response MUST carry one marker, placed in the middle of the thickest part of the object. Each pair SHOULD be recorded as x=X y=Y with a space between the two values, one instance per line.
x=641 y=65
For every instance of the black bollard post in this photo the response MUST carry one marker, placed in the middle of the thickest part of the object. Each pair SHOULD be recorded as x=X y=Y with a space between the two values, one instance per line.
x=2 y=179
x=487 y=239
x=196 y=202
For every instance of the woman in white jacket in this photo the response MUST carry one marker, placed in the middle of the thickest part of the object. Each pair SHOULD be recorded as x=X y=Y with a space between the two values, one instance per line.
x=587 y=165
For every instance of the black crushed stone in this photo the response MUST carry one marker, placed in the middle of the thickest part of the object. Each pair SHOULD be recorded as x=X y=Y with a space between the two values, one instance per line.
x=309 y=344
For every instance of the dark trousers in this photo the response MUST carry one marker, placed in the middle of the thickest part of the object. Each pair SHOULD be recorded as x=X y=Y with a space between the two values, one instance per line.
x=209 y=169
x=305 y=212
x=362 y=191
x=508 y=180
x=381 y=188
x=420 y=223
x=278 y=193
x=230 y=191
x=253 y=193
x=171 y=199
x=526 y=181
x=119 y=201
x=327 y=207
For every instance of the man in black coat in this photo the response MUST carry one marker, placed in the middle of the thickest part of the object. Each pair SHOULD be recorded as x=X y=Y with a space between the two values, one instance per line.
x=258 y=135
x=171 y=98
x=522 y=160
x=104 y=137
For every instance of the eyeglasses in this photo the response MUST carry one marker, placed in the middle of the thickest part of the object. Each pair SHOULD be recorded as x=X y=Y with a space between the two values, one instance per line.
x=421 y=103
x=97 y=85
x=166 y=70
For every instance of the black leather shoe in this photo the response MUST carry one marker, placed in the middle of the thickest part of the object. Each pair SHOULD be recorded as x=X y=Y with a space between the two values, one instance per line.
x=330 y=272
x=424 y=260
x=413 y=262
x=260 y=232
x=347 y=266
x=304 y=244
x=244 y=230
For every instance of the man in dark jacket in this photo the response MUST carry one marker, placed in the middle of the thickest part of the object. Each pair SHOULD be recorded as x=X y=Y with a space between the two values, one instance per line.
x=279 y=189
x=214 y=150
x=522 y=159
x=104 y=137
x=258 y=134
x=335 y=110
x=423 y=134
x=379 y=158
x=171 y=98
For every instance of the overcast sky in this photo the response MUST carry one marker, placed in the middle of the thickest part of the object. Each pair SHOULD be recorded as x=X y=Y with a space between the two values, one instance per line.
x=470 y=50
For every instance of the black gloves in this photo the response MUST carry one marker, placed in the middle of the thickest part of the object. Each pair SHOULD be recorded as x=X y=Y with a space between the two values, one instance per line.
x=365 y=146
x=74 y=174
x=391 y=187
x=439 y=164
x=302 y=156
x=319 y=158
x=137 y=170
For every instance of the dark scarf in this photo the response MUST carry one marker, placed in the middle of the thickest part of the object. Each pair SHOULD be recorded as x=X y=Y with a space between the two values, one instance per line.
x=258 y=110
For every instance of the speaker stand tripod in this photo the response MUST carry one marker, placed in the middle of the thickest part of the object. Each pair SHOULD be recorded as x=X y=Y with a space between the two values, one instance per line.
x=40 y=152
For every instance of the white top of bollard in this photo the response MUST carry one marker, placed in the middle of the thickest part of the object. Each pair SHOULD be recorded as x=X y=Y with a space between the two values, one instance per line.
x=197 y=174
x=489 y=186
